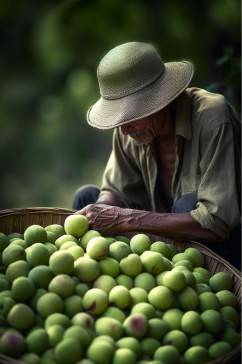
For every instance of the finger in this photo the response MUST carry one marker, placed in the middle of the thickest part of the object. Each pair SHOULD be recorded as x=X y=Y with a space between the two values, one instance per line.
x=81 y=212
x=84 y=210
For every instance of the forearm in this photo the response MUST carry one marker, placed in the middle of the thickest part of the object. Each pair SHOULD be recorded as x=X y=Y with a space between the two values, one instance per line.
x=113 y=220
x=180 y=226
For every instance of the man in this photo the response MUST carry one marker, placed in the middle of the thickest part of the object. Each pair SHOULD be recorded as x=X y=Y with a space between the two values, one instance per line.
x=174 y=167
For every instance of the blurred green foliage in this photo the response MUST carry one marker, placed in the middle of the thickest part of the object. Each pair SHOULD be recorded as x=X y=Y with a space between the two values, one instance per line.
x=49 y=54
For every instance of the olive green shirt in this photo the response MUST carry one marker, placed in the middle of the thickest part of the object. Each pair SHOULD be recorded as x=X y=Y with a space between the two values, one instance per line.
x=207 y=162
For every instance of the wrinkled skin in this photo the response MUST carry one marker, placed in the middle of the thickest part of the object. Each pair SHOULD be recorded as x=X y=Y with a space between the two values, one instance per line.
x=111 y=219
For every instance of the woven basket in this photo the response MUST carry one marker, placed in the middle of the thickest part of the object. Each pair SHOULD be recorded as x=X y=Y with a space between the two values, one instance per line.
x=17 y=220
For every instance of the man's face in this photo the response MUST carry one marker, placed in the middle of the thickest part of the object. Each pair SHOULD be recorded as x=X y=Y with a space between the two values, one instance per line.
x=143 y=131
x=139 y=130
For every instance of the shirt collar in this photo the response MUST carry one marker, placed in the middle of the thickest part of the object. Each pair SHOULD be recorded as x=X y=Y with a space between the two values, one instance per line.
x=183 y=110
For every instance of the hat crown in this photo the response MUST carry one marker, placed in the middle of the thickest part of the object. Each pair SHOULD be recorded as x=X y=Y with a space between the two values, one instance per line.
x=128 y=68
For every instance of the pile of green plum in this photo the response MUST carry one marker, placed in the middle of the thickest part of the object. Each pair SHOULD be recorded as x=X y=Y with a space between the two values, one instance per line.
x=69 y=295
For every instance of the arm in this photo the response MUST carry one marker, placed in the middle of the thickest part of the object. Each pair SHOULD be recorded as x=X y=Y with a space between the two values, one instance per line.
x=217 y=209
x=180 y=226
x=113 y=220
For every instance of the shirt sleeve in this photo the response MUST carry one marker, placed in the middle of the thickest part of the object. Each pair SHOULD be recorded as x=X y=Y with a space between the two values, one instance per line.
x=122 y=174
x=218 y=206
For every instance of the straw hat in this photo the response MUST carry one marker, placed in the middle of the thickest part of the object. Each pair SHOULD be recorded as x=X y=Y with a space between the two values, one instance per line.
x=134 y=83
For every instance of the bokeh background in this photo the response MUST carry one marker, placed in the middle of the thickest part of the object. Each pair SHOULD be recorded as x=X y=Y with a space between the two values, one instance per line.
x=49 y=54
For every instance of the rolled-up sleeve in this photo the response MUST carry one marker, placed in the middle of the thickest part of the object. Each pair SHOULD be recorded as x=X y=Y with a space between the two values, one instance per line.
x=218 y=206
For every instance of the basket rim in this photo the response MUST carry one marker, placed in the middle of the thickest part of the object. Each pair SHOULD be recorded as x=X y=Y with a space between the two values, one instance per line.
x=60 y=210
x=216 y=256
x=34 y=210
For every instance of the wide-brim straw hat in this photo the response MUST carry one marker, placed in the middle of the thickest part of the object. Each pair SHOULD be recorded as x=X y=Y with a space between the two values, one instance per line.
x=134 y=83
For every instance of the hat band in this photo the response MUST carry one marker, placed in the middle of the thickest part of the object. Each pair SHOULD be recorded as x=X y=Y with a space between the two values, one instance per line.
x=133 y=90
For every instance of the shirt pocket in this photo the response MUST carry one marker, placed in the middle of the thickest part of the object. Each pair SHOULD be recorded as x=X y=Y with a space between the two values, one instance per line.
x=190 y=183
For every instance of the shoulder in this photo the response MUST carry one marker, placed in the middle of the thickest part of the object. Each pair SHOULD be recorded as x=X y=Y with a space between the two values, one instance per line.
x=208 y=107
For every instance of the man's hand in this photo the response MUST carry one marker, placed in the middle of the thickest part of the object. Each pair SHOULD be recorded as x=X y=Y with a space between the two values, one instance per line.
x=108 y=220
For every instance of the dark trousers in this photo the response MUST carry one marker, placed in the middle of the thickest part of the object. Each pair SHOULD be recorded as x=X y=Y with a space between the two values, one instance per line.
x=84 y=196
x=88 y=194
x=230 y=249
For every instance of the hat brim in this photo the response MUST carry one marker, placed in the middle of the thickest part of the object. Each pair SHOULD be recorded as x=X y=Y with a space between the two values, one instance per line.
x=109 y=114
